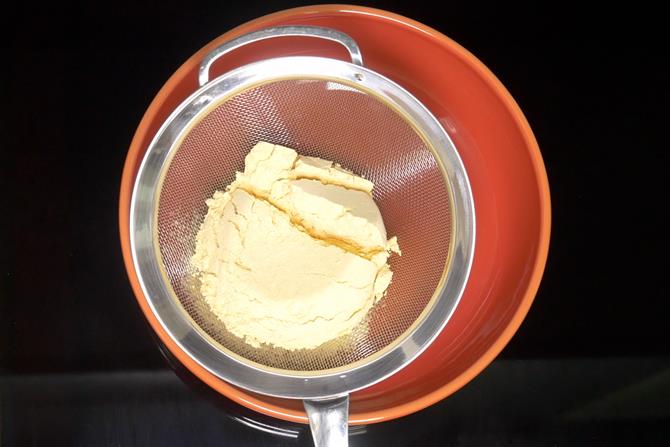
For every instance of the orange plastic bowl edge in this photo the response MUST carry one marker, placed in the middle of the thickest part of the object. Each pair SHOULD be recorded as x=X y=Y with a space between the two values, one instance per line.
x=292 y=410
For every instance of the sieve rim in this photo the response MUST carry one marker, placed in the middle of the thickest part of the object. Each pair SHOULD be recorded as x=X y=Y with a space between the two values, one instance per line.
x=189 y=336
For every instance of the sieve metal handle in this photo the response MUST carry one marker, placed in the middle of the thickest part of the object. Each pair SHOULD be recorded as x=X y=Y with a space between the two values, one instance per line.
x=280 y=31
x=329 y=420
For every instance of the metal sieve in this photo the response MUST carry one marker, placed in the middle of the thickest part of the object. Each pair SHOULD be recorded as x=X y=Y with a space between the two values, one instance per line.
x=334 y=110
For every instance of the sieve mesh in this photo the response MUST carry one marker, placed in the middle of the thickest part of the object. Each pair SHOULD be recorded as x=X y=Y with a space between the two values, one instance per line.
x=336 y=122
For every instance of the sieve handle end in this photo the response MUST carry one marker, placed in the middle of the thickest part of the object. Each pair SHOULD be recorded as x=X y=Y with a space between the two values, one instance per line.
x=329 y=420
x=280 y=31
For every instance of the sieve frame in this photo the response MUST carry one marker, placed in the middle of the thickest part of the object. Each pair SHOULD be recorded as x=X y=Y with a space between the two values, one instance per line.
x=186 y=333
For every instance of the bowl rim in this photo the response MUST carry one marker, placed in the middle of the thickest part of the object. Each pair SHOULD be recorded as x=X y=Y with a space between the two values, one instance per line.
x=250 y=399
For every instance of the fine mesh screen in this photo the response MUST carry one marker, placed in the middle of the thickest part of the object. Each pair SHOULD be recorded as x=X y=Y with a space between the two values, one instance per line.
x=335 y=122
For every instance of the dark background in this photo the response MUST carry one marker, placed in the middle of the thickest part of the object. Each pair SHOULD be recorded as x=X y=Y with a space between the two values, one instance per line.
x=78 y=363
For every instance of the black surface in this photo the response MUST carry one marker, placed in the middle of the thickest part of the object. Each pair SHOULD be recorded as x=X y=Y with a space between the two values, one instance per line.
x=78 y=363
x=590 y=403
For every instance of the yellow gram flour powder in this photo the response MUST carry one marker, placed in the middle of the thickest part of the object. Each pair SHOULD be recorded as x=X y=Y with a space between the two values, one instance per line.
x=294 y=252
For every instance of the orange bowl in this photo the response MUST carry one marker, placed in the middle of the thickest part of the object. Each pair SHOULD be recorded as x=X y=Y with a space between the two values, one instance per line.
x=507 y=176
